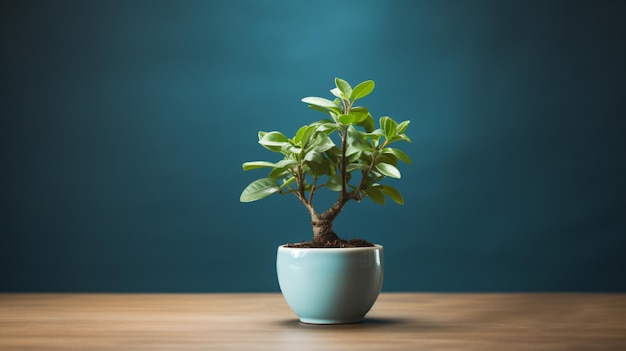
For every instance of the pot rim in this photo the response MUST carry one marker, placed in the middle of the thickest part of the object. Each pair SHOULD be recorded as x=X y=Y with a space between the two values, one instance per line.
x=331 y=249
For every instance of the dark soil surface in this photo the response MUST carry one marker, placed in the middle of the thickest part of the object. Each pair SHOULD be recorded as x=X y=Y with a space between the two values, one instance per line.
x=333 y=244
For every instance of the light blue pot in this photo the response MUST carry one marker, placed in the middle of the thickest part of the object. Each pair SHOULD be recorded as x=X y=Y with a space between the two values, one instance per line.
x=330 y=286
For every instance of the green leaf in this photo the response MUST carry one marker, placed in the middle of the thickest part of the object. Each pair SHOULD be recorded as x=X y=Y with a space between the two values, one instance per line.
x=356 y=166
x=318 y=101
x=319 y=168
x=288 y=181
x=334 y=183
x=259 y=189
x=256 y=164
x=336 y=92
x=344 y=87
x=402 y=126
x=366 y=159
x=399 y=137
x=326 y=125
x=328 y=128
x=273 y=139
x=290 y=149
x=388 y=170
x=314 y=156
x=346 y=119
x=376 y=174
x=298 y=137
x=398 y=153
x=358 y=140
x=321 y=142
x=362 y=90
x=389 y=126
x=375 y=135
x=334 y=154
x=285 y=163
x=387 y=158
x=308 y=133
x=405 y=138
x=393 y=194
x=360 y=114
x=264 y=164
x=281 y=168
x=278 y=172
x=328 y=110
x=367 y=123
x=352 y=154
x=303 y=135
x=376 y=195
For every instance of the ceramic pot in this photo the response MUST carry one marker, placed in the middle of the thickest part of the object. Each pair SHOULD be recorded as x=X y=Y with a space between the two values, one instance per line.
x=330 y=286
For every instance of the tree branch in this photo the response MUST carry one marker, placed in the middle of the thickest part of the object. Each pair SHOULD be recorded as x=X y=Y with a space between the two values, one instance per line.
x=301 y=195
x=313 y=189
x=355 y=194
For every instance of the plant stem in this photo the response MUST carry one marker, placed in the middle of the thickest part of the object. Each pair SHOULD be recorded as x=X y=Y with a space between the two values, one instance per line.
x=300 y=181
x=312 y=191
x=344 y=164
x=300 y=193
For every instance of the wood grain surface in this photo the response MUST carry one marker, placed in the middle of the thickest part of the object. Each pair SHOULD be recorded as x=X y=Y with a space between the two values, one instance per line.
x=398 y=321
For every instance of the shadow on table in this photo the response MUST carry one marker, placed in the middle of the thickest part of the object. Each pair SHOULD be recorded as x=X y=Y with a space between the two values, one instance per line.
x=397 y=324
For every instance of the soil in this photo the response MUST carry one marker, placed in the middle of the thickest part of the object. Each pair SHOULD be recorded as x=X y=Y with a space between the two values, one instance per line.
x=333 y=244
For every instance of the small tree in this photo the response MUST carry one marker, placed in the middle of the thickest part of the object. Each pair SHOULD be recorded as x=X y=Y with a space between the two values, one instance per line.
x=353 y=167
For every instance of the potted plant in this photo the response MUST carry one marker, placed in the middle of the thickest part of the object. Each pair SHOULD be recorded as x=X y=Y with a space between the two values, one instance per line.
x=330 y=280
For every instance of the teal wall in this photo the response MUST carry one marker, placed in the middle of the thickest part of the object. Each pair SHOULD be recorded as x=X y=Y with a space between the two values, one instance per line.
x=124 y=125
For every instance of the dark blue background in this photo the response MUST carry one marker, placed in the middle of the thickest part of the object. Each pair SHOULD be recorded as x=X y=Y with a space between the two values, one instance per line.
x=124 y=125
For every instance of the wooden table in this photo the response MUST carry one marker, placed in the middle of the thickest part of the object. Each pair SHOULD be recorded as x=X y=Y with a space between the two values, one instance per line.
x=398 y=321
